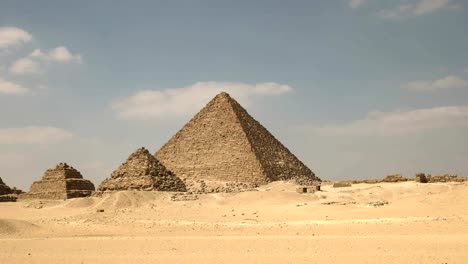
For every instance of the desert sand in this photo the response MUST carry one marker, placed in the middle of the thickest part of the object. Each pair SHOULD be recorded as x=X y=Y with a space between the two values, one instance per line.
x=404 y=222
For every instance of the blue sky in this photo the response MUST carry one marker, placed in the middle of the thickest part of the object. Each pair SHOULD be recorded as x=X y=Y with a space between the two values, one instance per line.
x=355 y=88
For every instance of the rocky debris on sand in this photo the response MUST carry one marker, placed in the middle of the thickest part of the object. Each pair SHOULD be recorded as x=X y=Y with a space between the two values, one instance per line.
x=61 y=182
x=8 y=198
x=446 y=178
x=184 y=197
x=341 y=184
x=202 y=186
x=394 y=178
x=142 y=171
x=369 y=181
x=427 y=178
x=377 y=203
x=305 y=181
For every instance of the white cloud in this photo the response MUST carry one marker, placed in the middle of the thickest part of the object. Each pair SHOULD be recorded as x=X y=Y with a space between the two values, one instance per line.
x=12 y=36
x=34 y=62
x=33 y=135
x=151 y=104
x=401 y=122
x=24 y=66
x=59 y=54
x=416 y=8
x=448 y=82
x=355 y=3
x=10 y=88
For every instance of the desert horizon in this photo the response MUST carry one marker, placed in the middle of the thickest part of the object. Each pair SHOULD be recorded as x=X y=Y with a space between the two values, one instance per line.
x=233 y=131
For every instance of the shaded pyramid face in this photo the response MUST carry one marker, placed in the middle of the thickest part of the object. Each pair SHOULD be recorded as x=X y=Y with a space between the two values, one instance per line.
x=142 y=171
x=224 y=143
x=4 y=189
x=61 y=182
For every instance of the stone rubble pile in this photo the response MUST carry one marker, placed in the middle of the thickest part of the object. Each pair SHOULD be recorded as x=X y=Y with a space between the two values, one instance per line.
x=202 y=186
x=423 y=178
x=341 y=184
x=394 y=178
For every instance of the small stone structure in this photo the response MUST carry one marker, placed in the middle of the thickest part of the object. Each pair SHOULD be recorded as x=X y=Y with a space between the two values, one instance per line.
x=224 y=143
x=308 y=189
x=61 y=182
x=420 y=177
x=394 y=178
x=142 y=171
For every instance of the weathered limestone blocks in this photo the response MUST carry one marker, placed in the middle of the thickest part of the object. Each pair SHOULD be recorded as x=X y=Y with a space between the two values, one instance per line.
x=224 y=143
x=142 y=171
x=61 y=182
x=341 y=184
x=202 y=186
x=394 y=178
x=420 y=177
x=423 y=178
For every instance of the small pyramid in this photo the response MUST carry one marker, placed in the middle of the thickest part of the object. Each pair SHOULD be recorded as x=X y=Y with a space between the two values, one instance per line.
x=142 y=171
x=61 y=182
x=224 y=143
x=4 y=189
x=6 y=193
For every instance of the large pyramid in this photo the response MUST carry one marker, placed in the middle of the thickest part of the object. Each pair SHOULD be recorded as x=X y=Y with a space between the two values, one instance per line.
x=224 y=143
x=61 y=182
x=142 y=171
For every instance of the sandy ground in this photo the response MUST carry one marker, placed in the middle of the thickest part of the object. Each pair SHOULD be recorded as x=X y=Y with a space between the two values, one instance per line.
x=366 y=223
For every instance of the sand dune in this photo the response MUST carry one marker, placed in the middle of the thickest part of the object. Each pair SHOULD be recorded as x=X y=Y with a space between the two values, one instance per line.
x=367 y=223
x=12 y=226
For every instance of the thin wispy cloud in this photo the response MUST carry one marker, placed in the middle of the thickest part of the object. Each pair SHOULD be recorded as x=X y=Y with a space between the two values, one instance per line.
x=11 y=88
x=154 y=104
x=13 y=36
x=449 y=82
x=33 y=135
x=417 y=8
x=35 y=62
x=59 y=54
x=355 y=3
x=400 y=122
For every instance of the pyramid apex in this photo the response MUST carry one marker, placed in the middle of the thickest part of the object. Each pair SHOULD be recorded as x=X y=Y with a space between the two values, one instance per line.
x=141 y=150
x=223 y=94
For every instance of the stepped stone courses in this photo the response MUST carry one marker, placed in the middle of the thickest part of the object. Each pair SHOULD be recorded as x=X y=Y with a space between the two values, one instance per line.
x=142 y=171
x=61 y=182
x=224 y=143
